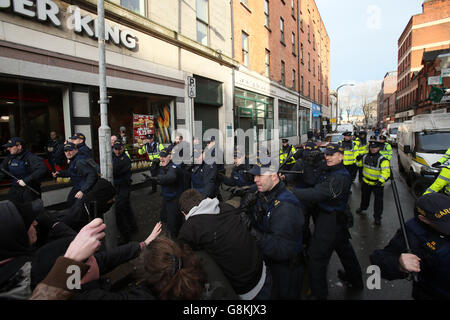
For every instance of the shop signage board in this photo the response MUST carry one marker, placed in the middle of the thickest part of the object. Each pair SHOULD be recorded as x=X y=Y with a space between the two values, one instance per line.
x=445 y=72
x=143 y=124
x=48 y=10
x=437 y=80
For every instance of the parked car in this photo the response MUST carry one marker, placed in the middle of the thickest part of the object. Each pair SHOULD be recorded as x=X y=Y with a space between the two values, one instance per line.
x=391 y=133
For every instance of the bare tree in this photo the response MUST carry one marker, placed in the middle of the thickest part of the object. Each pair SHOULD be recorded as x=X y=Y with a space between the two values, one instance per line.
x=364 y=95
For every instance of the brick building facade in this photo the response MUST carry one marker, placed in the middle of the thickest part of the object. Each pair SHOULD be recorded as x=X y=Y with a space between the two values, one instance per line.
x=424 y=32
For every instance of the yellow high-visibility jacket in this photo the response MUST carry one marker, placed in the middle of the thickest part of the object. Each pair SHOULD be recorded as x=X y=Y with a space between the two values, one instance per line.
x=445 y=157
x=362 y=150
x=379 y=171
x=442 y=182
x=387 y=151
x=350 y=155
x=152 y=153
x=284 y=155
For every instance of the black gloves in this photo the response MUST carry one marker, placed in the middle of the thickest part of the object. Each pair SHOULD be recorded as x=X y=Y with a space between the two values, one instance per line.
x=358 y=158
x=436 y=164
x=379 y=183
x=248 y=200
x=257 y=234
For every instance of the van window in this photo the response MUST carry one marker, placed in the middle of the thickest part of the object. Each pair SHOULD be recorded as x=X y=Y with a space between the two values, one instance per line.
x=432 y=141
x=393 y=131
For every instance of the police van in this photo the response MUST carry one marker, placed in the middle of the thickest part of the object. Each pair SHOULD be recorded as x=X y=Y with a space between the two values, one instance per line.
x=391 y=133
x=421 y=142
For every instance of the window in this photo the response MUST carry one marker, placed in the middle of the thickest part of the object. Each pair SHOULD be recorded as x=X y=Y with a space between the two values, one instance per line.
x=137 y=6
x=293 y=79
x=301 y=53
x=301 y=85
x=202 y=21
x=254 y=111
x=245 y=55
x=245 y=2
x=287 y=119
x=301 y=21
x=266 y=13
x=314 y=42
x=283 y=80
x=314 y=67
x=267 y=63
x=293 y=43
x=309 y=89
x=309 y=61
x=309 y=34
x=292 y=8
x=282 y=30
x=314 y=92
x=304 y=120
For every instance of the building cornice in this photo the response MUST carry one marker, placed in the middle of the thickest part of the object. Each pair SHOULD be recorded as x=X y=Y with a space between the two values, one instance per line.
x=144 y=25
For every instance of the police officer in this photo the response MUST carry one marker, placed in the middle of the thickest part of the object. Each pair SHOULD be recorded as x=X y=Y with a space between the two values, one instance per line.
x=82 y=172
x=276 y=221
x=386 y=149
x=428 y=235
x=152 y=148
x=376 y=172
x=180 y=151
x=239 y=174
x=363 y=149
x=126 y=222
x=55 y=152
x=442 y=182
x=79 y=140
x=204 y=175
x=210 y=155
x=442 y=160
x=350 y=154
x=286 y=151
x=170 y=178
x=28 y=168
x=331 y=221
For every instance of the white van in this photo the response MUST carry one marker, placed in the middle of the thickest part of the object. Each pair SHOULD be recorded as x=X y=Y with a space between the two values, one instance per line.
x=421 y=142
x=391 y=132
x=344 y=127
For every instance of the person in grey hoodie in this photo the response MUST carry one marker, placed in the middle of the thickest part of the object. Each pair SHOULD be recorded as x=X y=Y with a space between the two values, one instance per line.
x=216 y=228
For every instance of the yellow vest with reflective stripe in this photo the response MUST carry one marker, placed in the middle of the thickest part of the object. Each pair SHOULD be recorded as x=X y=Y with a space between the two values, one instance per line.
x=387 y=151
x=441 y=183
x=154 y=155
x=382 y=171
x=350 y=155
x=445 y=158
x=283 y=156
x=362 y=150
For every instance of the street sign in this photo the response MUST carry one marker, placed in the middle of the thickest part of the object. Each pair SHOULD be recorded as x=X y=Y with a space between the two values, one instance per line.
x=191 y=87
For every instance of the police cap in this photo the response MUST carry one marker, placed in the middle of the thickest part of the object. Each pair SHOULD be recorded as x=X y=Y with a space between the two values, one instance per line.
x=164 y=153
x=347 y=134
x=285 y=140
x=78 y=136
x=332 y=148
x=436 y=208
x=150 y=136
x=311 y=146
x=69 y=146
x=118 y=145
x=374 y=144
x=382 y=137
x=260 y=168
x=15 y=141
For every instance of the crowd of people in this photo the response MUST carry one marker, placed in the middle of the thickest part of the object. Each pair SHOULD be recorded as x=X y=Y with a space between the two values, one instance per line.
x=273 y=238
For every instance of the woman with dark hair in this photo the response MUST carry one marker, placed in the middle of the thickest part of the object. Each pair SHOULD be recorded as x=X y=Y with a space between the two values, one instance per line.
x=172 y=272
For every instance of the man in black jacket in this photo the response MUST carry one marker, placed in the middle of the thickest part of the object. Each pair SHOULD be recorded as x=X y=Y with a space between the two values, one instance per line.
x=330 y=197
x=55 y=152
x=28 y=168
x=79 y=140
x=204 y=176
x=217 y=229
x=126 y=223
x=275 y=218
x=82 y=173
x=428 y=234
x=170 y=177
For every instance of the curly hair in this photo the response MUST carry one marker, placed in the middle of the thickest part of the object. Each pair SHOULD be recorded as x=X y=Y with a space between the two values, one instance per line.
x=172 y=272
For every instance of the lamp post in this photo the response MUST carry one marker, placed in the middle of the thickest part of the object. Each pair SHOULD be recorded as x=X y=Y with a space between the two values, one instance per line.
x=336 y=94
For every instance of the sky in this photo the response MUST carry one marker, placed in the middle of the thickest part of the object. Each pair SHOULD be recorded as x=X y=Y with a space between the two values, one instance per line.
x=363 y=36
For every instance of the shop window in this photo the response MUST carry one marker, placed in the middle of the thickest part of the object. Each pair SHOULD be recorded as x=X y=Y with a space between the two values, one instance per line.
x=30 y=110
x=137 y=6
x=304 y=120
x=254 y=111
x=287 y=119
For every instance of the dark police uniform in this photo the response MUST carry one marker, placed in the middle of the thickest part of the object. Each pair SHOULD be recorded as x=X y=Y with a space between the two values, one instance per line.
x=170 y=178
x=24 y=166
x=430 y=244
x=277 y=220
x=182 y=159
x=125 y=219
x=330 y=196
x=239 y=176
x=82 y=147
x=82 y=173
x=204 y=179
